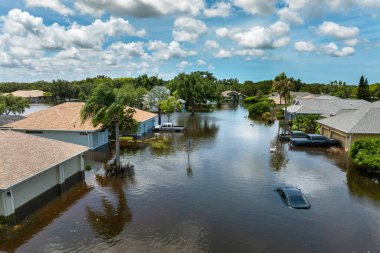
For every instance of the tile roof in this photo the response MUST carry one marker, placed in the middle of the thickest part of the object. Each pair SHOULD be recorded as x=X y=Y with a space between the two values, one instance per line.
x=365 y=120
x=27 y=93
x=63 y=117
x=23 y=156
x=142 y=116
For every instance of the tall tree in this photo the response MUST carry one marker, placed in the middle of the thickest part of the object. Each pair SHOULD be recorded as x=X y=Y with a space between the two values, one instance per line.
x=11 y=104
x=107 y=106
x=283 y=85
x=170 y=105
x=195 y=88
x=154 y=98
x=363 y=89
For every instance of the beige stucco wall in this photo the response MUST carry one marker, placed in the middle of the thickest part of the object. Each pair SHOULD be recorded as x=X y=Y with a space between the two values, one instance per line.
x=31 y=188
x=329 y=133
x=357 y=137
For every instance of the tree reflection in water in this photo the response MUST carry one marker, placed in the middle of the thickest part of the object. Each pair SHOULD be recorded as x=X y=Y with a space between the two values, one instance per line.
x=278 y=159
x=111 y=221
x=198 y=126
x=363 y=185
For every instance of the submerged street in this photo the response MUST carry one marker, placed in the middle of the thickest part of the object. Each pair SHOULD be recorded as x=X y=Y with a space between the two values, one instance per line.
x=218 y=198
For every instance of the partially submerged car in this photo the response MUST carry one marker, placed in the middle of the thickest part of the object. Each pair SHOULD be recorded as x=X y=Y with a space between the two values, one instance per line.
x=292 y=134
x=293 y=197
x=314 y=140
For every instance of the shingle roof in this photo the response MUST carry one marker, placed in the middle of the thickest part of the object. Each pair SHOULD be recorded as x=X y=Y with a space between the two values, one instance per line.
x=331 y=106
x=63 y=117
x=365 y=120
x=7 y=119
x=23 y=156
x=28 y=93
x=142 y=116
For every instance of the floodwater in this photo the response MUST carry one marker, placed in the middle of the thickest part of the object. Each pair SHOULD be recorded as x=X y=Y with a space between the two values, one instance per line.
x=35 y=108
x=217 y=197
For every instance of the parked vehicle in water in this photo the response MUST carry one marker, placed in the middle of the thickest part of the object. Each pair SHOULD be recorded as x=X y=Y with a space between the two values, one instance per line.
x=314 y=140
x=292 y=134
x=169 y=127
x=293 y=197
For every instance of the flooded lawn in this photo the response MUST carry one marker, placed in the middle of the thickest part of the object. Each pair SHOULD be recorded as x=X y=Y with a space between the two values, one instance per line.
x=223 y=201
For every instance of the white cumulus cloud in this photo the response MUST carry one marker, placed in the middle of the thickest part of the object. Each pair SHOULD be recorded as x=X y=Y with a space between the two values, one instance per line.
x=211 y=44
x=163 y=51
x=337 y=31
x=219 y=9
x=256 y=6
x=222 y=53
x=140 y=8
x=258 y=36
x=184 y=64
x=304 y=46
x=188 y=29
x=54 y=5
x=333 y=50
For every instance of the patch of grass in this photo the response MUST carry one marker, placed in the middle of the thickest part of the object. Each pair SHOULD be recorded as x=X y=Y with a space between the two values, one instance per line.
x=161 y=143
x=126 y=138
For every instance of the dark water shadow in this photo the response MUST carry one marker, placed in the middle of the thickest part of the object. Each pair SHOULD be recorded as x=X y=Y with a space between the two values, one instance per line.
x=111 y=220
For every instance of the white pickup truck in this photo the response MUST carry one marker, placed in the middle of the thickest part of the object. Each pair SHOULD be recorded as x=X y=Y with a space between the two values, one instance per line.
x=169 y=127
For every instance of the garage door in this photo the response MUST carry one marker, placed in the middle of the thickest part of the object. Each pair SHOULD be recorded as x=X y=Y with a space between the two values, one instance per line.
x=325 y=132
x=339 y=137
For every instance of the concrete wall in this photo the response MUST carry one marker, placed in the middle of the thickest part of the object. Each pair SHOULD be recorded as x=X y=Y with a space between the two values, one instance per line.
x=92 y=140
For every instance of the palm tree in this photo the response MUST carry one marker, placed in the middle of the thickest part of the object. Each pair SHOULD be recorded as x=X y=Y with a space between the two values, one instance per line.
x=107 y=106
x=283 y=85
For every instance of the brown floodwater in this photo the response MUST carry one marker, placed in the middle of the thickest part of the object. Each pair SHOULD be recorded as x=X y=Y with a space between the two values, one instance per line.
x=217 y=198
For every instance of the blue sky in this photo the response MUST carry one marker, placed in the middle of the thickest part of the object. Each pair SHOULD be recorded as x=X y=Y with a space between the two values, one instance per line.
x=314 y=40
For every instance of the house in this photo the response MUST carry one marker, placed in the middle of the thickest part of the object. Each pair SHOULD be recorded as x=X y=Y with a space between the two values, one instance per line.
x=325 y=106
x=352 y=126
x=7 y=119
x=32 y=169
x=34 y=96
x=232 y=96
x=293 y=94
x=146 y=121
x=62 y=122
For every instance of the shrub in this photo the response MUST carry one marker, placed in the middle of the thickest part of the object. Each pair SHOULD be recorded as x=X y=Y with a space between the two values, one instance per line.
x=251 y=100
x=257 y=110
x=87 y=167
x=280 y=115
x=366 y=152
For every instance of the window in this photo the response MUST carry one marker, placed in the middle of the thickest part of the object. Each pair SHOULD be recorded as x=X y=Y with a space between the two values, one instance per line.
x=34 y=132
